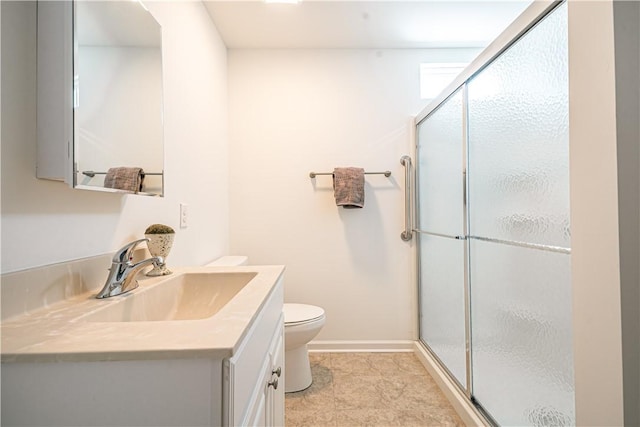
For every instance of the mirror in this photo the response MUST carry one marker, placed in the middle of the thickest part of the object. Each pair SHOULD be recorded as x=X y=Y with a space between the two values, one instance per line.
x=118 y=128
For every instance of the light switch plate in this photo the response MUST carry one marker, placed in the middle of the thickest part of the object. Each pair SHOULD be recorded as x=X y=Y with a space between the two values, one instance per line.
x=184 y=215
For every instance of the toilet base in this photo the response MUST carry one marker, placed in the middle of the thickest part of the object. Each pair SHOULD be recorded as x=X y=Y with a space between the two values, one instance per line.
x=297 y=369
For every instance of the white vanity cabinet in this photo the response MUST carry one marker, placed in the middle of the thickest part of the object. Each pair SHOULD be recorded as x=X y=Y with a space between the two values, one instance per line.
x=60 y=369
x=254 y=376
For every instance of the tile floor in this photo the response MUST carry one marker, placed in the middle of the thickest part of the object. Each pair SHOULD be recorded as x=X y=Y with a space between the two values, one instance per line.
x=369 y=389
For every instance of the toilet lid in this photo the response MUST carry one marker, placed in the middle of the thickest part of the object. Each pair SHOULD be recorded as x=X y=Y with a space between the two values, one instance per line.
x=300 y=313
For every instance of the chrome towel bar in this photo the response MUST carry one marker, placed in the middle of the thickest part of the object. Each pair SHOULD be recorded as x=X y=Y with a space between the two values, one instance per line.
x=385 y=173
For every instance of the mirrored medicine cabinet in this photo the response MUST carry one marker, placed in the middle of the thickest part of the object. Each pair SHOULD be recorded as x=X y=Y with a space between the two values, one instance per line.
x=100 y=96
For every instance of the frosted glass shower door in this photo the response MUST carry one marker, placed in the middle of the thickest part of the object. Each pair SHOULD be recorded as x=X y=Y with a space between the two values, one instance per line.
x=441 y=222
x=519 y=230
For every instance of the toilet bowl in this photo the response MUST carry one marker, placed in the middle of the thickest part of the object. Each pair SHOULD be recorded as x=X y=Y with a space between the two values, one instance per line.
x=302 y=322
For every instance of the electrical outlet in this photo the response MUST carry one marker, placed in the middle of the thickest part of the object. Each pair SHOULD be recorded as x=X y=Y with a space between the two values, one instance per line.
x=184 y=215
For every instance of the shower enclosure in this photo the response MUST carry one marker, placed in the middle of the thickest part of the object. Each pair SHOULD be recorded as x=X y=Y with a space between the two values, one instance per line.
x=492 y=222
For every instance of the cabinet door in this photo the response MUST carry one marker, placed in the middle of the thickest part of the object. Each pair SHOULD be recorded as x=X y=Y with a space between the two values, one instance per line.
x=259 y=411
x=54 y=121
x=268 y=409
x=276 y=404
x=250 y=368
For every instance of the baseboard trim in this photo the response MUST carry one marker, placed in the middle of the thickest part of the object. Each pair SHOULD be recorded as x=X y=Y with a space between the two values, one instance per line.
x=361 y=346
x=465 y=409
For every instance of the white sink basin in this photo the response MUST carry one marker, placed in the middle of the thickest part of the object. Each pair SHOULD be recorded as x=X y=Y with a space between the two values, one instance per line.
x=187 y=296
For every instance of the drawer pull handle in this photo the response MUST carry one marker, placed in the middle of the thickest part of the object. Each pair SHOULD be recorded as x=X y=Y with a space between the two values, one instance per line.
x=273 y=383
x=278 y=371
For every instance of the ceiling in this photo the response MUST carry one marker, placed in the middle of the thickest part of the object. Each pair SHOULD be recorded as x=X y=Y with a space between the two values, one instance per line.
x=362 y=24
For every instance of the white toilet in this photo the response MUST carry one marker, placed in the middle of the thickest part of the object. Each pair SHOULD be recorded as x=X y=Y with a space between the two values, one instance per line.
x=302 y=322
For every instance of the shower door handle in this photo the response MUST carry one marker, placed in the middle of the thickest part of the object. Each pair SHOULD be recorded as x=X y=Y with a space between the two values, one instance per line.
x=407 y=234
x=464 y=187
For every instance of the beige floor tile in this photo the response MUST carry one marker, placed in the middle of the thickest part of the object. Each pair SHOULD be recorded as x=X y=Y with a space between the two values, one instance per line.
x=380 y=363
x=394 y=418
x=311 y=418
x=323 y=359
x=366 y=417
x=417 y=418
x=369 y=389
x=318 y=396
x=409 y=363
x=353 y=364
x=322 y=376
x=409 y=392
x=371 y=364
x=309 y=402
x=359 y=391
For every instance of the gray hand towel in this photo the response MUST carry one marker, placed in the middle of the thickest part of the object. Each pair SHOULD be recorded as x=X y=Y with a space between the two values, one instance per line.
x=348 y=187
x=125 y=178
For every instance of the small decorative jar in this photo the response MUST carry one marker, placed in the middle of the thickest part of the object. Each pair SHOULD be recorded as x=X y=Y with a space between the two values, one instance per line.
x=160 y=240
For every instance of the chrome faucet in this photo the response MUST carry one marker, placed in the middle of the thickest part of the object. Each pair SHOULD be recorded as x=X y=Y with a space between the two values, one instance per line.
x=122 y=274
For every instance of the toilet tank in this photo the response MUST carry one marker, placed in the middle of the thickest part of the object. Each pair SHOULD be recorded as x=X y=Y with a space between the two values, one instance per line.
x=229 y=261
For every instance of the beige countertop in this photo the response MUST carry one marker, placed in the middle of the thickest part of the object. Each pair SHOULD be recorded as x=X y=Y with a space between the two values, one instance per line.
x=61 y=331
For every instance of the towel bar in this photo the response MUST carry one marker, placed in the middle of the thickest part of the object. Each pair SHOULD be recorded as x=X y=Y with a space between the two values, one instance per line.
x=91 y=174
x=385 y=173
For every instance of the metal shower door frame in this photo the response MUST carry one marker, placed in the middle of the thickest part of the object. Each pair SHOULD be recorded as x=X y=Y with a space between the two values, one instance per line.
x=535 y=13
x=468 y=390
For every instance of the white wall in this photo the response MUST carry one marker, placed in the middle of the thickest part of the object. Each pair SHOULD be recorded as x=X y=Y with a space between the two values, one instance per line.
x=297 y=111
x=595 y=260
x=45 y=222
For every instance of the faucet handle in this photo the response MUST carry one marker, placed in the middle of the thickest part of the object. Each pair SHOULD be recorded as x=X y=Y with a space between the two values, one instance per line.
x=124 y=254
